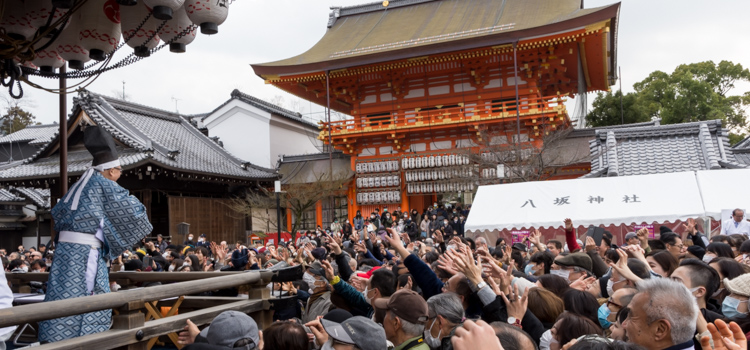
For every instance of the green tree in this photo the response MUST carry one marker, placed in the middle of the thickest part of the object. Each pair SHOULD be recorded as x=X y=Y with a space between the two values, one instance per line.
x=693 y=92
x=16 y=118
x=606 y=110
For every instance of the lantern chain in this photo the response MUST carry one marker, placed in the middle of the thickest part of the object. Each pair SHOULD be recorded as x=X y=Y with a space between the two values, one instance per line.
x=130 y=59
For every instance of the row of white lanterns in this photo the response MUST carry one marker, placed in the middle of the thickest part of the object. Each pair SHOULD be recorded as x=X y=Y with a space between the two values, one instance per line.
x=376 y=167
x=379 y=197
x=379 y=181
x=437 y=187
x=437 y=174
x=94 y=31
x=434 y=161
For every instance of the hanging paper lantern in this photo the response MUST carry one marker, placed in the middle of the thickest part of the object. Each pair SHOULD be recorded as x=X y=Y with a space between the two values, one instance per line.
x=209 y=14
x=132 y=17
x=69 y=44
x=100 y=27
x=15 y=21
x=48 y=60
x=165 y=9
x=178 y=24
x=438 y=161
x=38 y=11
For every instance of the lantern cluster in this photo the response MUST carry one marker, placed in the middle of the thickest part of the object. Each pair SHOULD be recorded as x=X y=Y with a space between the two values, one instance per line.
x=434 y=161
x=95 y=30
x=379 y=181
x=376 y=167
x=381 y=197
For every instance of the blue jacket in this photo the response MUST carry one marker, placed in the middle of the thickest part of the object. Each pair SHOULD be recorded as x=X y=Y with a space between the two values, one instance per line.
x=423 y=276
x=355 y=299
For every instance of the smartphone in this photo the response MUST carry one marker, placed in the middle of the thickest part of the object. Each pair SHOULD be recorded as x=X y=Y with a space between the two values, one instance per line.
x=597 y=233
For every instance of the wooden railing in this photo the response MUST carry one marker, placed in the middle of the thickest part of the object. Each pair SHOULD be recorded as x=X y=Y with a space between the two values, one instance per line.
x=534 y=107
x=137 y=324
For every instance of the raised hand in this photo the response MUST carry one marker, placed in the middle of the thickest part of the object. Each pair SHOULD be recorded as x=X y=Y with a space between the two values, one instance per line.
x=188 y=334
x=582 y=283
x=446 y=264
x=328 y=269
x=724 y=336
x=515 y=304
x=474 y=336
x=321 y=336
x=464 y=263
x=590 y=244
x=690 y=226
x=568 y=224
x=622 y=267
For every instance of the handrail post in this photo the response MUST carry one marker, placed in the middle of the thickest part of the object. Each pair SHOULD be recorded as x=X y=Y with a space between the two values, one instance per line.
x=131 y=316
x=258 y=290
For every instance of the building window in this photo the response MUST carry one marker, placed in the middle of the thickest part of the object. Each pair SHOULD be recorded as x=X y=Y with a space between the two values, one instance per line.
x=339 y=211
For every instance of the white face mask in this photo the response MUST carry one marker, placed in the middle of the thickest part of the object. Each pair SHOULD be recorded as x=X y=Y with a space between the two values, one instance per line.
x=25 y=268
x=708 y=257
x=562 y=273
x=367 y=291
x=185 y=263
x=171 y=268
x=432 y=342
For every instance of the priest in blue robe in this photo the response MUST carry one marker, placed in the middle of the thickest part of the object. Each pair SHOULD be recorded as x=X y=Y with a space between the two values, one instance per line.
x=96 y=221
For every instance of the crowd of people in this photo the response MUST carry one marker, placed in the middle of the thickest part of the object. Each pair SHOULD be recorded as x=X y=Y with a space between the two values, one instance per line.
x=384 y=282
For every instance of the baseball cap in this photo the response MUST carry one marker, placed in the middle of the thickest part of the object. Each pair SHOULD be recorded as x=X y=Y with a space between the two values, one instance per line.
x=357 y=330
x=406 y=304
x=230 y=327
x=519 y=246
x=319 y=253
x=630 y=235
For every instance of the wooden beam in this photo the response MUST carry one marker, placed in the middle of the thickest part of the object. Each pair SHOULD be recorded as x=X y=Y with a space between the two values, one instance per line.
x=118 y=338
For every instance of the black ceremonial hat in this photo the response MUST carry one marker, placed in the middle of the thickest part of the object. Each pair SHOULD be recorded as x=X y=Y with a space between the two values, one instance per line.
x=100 y=144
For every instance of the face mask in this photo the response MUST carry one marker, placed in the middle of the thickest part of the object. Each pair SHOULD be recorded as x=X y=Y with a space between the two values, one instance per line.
x=36 y=271
x=190 y=238
x=529 y=269
x=729 y=307
x=328 y=345
x=432 y=342
x=707 y=258
x=185 y=263
x=445 y=222
x=171 y=268
x=562 y=273
x=368 y=299
x=25 y=268
x=603 y=314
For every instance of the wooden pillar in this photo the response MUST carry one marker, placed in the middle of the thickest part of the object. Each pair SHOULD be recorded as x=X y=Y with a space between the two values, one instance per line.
x=289 y=220
x=259 y=291
x=319 y=214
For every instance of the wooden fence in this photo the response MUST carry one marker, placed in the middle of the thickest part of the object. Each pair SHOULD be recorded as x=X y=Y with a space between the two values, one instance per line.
x=138 y=322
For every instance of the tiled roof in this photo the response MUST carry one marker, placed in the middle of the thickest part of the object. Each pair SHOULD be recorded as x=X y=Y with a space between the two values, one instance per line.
x=640 y=150
x=6 y=196
x=313 y=156
x=34 y=134
x=150 y=136
x=262 y=105
x=39 y=196
x=743 y=144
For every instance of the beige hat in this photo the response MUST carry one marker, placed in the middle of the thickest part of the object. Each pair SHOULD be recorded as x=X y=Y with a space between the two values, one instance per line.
x=739 y=285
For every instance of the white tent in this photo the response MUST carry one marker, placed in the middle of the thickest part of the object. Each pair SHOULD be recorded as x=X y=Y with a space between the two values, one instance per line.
x=589 y=201
x=724 y=189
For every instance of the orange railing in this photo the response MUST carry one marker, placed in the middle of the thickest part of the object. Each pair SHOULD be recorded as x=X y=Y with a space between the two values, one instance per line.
x=529 y=108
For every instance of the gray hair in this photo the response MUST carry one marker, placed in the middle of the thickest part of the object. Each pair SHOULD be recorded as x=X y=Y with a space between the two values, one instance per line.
x=671 y=301
x=481 y=240
x=410 y=329
x=447 y=305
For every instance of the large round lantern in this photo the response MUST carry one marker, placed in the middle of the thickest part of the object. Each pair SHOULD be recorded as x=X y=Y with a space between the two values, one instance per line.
x=48 y=61
x=16 y=22
x=38 y=11
x=174 y=27
x=100 y=27
x=209 y=14
x=132 y=17
x=69 y=44
x=165 y=9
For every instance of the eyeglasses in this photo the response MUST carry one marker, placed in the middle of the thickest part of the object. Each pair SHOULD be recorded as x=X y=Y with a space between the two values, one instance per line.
x=612 y=303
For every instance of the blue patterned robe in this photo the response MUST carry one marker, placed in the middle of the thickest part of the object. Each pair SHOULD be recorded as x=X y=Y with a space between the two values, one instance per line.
x=122 y=218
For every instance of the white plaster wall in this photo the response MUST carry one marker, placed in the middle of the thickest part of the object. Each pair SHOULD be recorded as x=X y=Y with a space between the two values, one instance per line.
x=291 y=138
x=245 y=132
